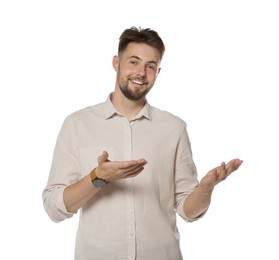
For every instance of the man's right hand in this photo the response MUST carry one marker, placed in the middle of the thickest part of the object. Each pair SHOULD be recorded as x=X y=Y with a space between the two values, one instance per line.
x=111 y=171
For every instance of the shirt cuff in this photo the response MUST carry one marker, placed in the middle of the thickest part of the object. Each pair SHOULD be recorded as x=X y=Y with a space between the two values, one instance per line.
x=55 y=205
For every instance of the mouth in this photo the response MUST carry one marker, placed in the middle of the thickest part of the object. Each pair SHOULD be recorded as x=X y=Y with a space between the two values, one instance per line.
x=137 y=82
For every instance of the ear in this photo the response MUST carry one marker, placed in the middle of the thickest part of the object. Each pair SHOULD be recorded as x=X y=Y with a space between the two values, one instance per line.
x=115 y=62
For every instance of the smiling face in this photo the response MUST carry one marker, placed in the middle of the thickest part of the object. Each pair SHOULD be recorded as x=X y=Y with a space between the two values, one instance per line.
x=137 y=69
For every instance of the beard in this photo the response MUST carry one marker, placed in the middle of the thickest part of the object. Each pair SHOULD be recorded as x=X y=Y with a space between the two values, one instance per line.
x=133 y=95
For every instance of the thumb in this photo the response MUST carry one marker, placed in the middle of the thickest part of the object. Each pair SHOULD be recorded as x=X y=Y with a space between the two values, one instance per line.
x=102 y=158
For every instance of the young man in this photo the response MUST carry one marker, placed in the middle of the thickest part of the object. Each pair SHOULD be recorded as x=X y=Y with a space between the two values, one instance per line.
x=128 y=167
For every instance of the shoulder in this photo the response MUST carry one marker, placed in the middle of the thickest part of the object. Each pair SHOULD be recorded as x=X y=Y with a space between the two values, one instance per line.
x=87 y=112
x=84 y=117
x=166 y=116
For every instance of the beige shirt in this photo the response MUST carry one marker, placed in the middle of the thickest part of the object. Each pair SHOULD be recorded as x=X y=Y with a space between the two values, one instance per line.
x=133 y=218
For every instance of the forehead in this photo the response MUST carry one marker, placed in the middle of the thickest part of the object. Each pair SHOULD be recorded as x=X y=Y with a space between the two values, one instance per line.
x=141 y=50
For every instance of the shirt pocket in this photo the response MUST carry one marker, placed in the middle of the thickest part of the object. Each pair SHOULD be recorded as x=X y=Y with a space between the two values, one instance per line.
x=89 y=157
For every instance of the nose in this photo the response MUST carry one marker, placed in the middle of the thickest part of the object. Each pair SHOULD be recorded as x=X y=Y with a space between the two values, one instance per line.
x=141 y=70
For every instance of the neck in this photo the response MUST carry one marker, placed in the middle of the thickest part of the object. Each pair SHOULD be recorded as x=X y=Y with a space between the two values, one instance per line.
x=128 y=108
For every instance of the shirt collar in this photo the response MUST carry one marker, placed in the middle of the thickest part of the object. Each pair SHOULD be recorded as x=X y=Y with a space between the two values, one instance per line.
x=145 y=112
x=110 y=110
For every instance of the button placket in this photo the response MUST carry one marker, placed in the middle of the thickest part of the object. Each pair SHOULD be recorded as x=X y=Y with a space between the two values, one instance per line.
x=127 y=146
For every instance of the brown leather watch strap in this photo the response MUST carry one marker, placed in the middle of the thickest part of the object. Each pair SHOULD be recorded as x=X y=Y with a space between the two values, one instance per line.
x=93 y=175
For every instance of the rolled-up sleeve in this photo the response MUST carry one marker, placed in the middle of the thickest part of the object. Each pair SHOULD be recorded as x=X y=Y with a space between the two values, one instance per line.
x=54 y=203
x=64 y=171
x=185 y=174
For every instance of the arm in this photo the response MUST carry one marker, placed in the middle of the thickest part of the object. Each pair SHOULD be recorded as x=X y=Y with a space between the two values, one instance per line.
x=77 y=194
x=199 y=200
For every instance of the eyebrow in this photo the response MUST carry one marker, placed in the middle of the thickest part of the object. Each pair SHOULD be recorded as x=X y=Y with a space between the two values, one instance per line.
x=138 y=58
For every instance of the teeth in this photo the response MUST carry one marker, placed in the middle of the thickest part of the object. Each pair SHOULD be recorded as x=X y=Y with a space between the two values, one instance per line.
x=137 y=82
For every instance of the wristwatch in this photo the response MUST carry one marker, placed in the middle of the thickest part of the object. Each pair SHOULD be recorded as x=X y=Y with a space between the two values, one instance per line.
x=97 y=182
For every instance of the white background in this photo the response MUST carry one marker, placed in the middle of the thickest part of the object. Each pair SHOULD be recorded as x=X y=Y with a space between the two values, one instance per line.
x=220 y=74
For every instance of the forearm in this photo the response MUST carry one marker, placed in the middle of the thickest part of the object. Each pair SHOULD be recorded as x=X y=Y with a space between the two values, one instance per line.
x=77 y=194
x=197 y=202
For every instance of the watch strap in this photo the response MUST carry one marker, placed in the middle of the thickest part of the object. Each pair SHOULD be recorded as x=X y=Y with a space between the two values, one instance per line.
x=93 y=175
x=96 y=181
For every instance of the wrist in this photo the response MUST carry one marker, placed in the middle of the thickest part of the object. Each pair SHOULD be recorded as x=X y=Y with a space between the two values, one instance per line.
x=96 y=181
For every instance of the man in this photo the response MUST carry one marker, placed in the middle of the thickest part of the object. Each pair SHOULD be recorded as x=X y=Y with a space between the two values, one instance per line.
x=128 y=167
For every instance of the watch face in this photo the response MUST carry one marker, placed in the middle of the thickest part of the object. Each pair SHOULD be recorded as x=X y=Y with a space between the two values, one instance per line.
x=99 y=183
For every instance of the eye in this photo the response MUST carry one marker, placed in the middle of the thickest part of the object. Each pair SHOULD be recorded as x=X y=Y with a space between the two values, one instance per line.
x=153 y=68
x=133 y=62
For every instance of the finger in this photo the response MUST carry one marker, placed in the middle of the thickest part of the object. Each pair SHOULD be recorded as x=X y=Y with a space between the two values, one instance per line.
x=136 y=166
x=134 y=173
x=116 y=174
x=222 y=172
x=127 y=165
x=132 y=170
x=102 y=158
x=233 y=165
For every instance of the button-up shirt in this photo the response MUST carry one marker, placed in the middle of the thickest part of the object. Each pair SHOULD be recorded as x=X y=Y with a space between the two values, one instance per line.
x=132 y=218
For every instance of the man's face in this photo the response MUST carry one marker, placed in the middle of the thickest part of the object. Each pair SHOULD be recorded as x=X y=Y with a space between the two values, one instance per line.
x=137 y=69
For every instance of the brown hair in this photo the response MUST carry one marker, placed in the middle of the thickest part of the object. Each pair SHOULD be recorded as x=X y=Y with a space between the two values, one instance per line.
x=140 y=35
